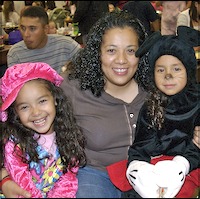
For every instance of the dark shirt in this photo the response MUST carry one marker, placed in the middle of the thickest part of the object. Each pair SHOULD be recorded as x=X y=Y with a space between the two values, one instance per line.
x=182 y=114
x=87 y=13
x=144 y=11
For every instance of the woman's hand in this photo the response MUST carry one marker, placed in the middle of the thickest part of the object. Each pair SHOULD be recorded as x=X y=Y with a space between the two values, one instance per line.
x=11 y=190
x=196 y=138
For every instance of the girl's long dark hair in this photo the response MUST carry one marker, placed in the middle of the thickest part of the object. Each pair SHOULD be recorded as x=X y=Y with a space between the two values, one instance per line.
x=8 y=8
x=193 y=11
x=69 y=138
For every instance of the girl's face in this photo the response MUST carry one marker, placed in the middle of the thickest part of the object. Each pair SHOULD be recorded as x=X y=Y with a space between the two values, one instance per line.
x=119 y=63
x=170 y=74
x=197 y=4
x=111 y=7
x=35 y=107
x=52 y=28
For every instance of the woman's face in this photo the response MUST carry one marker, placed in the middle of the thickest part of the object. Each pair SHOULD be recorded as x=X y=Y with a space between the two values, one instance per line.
x=119 y=63
x=35 y=107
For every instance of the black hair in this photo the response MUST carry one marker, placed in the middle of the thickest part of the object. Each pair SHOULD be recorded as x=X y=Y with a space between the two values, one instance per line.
x=50 y=5
x=193 y=11
x=35 y=12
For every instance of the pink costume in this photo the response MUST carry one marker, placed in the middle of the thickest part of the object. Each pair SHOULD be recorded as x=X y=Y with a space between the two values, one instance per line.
x=43 y=179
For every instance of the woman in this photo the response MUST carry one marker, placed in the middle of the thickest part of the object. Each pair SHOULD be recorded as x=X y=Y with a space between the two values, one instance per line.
x=106 y=99
x=110 y=95
x=170 y=12
x=190 y=16
x=10 y=16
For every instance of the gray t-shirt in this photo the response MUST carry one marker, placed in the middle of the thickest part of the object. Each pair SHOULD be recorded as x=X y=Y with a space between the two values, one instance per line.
x=58 y=50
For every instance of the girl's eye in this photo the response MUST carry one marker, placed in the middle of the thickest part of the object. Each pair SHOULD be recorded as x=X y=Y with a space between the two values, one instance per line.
x=23 y=108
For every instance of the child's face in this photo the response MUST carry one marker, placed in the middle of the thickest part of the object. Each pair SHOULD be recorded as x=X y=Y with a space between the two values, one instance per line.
x=35 y=107
x=52 y=28
x=111 y=7
x=170 y=75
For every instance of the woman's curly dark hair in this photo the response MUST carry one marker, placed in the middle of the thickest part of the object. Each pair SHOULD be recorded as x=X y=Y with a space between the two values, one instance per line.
x=69 y=137
x=87 y=63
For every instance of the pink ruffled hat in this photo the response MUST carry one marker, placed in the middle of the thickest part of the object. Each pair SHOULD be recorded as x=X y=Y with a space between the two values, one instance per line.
x=15 y=77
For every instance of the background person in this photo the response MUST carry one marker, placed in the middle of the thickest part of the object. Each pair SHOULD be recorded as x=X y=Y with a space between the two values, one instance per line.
x=9 y=14
x=38 y=45
x=112 y=7
x=49 y=6
x=190 y=18
x=38 y=3
x=146 y=13
x=19 y=5
x=87 y=13
x=52 y=27
x=170 y=12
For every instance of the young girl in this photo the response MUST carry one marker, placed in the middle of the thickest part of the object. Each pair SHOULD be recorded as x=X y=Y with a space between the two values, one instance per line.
x=42 y=145
x=52 y=27
x=167 y=119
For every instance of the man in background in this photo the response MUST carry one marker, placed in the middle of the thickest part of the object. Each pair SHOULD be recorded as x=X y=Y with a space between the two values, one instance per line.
x=146 y=13
x=39 y=46
x=87 y=13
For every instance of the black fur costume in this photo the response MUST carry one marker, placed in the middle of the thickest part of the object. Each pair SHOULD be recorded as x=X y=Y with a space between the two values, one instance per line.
x=181 y=111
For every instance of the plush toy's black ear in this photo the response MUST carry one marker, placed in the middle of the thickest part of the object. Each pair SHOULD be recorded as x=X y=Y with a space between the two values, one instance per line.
x=148 y=43
x=189 y=35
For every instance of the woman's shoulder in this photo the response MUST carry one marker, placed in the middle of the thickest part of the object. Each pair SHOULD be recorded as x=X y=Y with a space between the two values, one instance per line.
x=142 y=94
x=15 y=16
x=68 y=85
x=185 y=12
